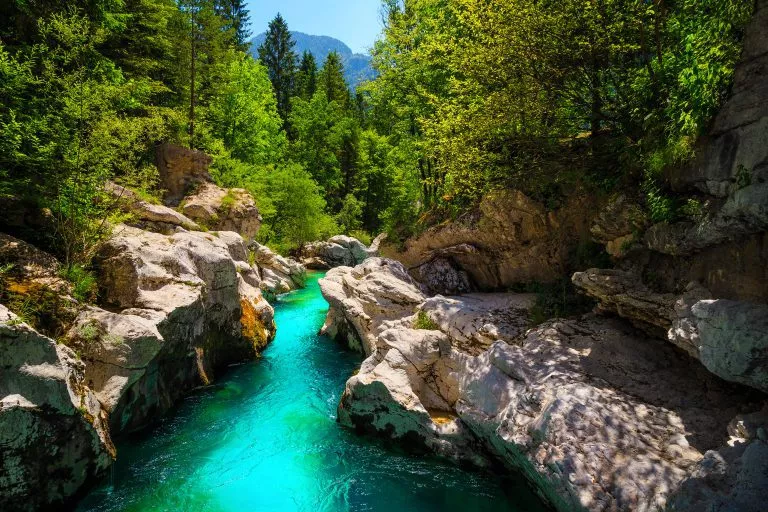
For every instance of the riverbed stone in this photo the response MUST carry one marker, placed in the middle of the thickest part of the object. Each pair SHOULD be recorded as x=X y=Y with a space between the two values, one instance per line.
x=337 y=251
x=279 y=274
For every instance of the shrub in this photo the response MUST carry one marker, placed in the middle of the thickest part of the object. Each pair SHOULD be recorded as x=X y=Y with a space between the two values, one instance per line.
x=84 y=283
x=424 y=322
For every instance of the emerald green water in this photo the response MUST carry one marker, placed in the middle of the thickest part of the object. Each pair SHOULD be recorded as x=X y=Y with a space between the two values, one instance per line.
x=265 y=438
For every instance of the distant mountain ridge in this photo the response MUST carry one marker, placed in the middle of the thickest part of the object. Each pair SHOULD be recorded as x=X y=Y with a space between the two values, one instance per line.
x=357 y=66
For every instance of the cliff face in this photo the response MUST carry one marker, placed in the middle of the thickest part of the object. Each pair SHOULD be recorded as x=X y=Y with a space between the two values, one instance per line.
x=53 y=429
x=510 y=239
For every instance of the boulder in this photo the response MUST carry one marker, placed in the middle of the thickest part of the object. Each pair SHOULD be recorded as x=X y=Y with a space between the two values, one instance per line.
x=278 y=273
x=221 y=209
x=729 y=478
x=180 y=308
x=337 y=251
x=363 y=298
x=730 y=338
x=181 y=170
x=52 y=428
x=569 y=404
x=146 y=213
x=440 y=276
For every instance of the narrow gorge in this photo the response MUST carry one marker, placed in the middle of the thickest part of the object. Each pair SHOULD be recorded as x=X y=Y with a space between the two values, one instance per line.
x=522 y=268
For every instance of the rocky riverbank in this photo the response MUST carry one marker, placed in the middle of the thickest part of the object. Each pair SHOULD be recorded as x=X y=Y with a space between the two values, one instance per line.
x=597 y=415
x=177 y=303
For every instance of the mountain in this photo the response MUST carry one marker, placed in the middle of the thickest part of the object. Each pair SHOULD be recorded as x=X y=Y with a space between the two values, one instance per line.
x=357 y=66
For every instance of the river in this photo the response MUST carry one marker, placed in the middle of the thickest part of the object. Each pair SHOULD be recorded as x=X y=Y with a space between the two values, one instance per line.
x=265 y=438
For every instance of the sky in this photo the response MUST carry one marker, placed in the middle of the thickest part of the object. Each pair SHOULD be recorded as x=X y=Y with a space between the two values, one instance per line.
x=355 y=22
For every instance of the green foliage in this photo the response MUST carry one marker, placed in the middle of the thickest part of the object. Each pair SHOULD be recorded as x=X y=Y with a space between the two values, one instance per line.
x=535 y=95
x=291 y=205
x=84 y=285
x=424 y=322
x=243 y=113
x=349 y=216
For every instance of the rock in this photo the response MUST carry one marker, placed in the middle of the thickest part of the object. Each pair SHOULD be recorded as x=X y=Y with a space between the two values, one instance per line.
x=181 y=307
x=594 y=415
x=31 y=282
x=623 y=293
x=181 y=170
x=29 y=266
x=338 y=251
x=362 y=298
x=278 y=273
x=475 y=321
x=52 y=429
x=730 y=478
x=130 y=202
x=730 y=338
x=373 y=250
x=439 y=275
x=618 y=225
x=223 y=210
x=509 y=239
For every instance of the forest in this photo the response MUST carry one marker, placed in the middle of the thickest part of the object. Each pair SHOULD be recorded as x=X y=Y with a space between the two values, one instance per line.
x=471 y=96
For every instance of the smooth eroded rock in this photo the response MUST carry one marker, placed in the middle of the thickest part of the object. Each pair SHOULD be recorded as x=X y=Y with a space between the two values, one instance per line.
x=181 y=307
x=52 y=428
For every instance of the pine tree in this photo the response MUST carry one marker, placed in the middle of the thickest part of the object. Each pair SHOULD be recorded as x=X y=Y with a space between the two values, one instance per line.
x=331 y=80
x=306 y=77
x=277 y=54
x=236 y=18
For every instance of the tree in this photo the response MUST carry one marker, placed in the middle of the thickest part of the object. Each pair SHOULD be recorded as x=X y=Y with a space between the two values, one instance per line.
x=293 y=208
x=236 y=18
x=348 y=218
x=331 y=80
x=306 y=77
x=277 y=54
x=243 y=114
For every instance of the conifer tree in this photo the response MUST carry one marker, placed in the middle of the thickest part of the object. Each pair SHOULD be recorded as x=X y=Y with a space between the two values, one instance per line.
x=306 y=77
x=331 y=80
x=236 y=18
x=277 y=54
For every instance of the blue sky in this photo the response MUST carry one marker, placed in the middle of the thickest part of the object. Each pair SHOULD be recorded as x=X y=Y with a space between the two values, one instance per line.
x=356 y=22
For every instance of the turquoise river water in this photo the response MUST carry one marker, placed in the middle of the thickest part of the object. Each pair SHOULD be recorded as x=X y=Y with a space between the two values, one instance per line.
x=265 y=438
